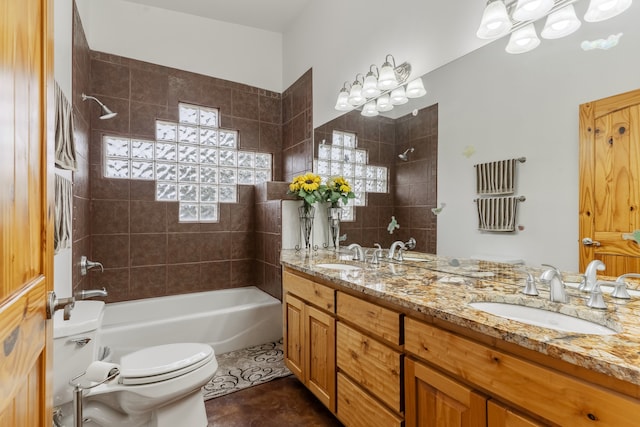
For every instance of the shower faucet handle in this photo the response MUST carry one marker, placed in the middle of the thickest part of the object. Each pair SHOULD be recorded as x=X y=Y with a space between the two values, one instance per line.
x=86 y=265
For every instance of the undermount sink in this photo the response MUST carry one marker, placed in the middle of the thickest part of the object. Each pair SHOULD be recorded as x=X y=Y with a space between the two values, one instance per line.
x=411 y=258
x=544 y=318
x=341 y=267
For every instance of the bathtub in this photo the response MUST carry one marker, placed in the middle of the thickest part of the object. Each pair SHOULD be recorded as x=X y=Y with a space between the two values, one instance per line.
x=228 y=320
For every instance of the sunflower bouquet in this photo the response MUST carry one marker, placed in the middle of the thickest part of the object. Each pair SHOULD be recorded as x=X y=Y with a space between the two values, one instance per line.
x=337 y=189
x=307 y=187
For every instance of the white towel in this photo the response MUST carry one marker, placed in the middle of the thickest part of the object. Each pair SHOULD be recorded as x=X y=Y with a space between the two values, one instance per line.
x=64 y=139
x=497 y=213
x=63 y=214
x=494 y=178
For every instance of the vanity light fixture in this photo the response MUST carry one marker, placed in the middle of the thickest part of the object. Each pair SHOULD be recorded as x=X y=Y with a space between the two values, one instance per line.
x=380 y=89
x=517 y=17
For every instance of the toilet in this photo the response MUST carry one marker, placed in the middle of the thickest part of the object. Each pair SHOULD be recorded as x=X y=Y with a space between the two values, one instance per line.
x=157 y=386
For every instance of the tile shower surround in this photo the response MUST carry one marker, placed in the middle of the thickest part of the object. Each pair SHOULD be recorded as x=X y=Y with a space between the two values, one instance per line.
x=119 y=218
x=412 y=184
x=145 y=250
x=81 y=76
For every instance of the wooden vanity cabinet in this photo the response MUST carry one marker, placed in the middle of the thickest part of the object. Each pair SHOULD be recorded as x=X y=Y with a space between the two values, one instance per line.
x=545 y=393
x=310 y=334
x=500 y=415
x=369 y=361
x=433 y=399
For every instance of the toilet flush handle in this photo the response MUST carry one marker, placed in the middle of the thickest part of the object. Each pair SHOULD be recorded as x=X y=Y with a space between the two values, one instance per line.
x=80 y=341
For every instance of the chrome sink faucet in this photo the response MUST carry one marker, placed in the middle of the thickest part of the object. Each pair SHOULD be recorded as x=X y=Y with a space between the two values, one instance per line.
x=358 y=252
x=557 y=290
x=590 y=275
x=397 y=247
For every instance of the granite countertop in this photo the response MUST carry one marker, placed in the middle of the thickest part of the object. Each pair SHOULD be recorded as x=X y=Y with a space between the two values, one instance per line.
x=443 y=287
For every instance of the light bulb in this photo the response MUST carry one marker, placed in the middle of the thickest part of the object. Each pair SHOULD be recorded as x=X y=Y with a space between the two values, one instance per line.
x=495 y=21
x=398 y=96
x=561 y=23
x=415 y=88
x=523 y=40
x=384 y=104
x=530 y=10
x=600 y=10
x=369 y=109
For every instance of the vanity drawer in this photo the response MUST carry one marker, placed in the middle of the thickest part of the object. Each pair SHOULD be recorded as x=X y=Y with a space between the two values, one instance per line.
x=371 y=364
x=372 y=318
x=526 y=384
x=310 y=291
x=358 y=409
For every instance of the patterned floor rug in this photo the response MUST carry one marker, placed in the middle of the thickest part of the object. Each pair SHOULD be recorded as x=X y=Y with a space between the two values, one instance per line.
x=245 y=368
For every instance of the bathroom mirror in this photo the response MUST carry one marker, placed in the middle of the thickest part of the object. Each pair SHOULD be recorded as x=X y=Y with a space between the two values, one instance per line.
x=405 y=142
x=494 y=106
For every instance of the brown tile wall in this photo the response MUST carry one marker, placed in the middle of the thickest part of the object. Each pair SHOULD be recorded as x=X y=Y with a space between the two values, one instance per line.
x=297 y=128
x=269 y=236
x=145 y=250
x=412 y=184
x=415 y=190
x=81 y=78
x=377 y=135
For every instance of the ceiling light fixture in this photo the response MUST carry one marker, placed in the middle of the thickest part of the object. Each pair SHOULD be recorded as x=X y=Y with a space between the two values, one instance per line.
x=502 y=17
x=380 y=89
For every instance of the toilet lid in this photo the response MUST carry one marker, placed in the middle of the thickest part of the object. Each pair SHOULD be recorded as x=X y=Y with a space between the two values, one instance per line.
x=163 y=362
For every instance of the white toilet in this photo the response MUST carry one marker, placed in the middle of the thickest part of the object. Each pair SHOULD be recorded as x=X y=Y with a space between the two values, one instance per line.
x=157 y=386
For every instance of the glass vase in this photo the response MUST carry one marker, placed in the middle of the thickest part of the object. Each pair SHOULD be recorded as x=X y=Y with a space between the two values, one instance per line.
x=333 y=216
x=306 y=214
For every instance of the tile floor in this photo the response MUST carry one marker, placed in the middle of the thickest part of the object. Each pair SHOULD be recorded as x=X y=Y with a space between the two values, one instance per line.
x=279 y=403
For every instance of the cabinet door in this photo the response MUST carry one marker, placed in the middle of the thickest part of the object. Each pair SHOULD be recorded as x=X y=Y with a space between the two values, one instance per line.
x=293 y=329
x=320 y=355
x=435 y=400
x=499 y=415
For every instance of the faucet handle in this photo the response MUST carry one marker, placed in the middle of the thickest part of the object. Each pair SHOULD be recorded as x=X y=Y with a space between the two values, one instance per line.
x=595 y=298
x=530 y=284
x=375 y=256
x=410 y=244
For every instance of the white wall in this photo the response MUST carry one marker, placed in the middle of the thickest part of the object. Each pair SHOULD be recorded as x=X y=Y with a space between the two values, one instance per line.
x=214 y=48
x=339 y=39
x=503 y=105
x=508 y=107
x=62 y=71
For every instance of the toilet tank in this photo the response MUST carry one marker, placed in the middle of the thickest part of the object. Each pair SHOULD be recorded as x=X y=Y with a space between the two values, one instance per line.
x=74 y=346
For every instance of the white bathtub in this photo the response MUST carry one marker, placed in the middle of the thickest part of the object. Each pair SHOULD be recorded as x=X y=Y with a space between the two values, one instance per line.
x=228 y=320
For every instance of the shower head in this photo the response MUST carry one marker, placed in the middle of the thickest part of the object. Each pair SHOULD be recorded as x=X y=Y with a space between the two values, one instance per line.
x=405 y=156
x=106 y=112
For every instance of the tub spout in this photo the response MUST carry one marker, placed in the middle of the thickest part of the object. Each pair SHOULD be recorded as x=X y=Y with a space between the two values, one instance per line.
x=91 y=293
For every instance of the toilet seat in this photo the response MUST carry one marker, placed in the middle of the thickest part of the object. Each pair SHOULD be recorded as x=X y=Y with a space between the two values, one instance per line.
x=163 y=362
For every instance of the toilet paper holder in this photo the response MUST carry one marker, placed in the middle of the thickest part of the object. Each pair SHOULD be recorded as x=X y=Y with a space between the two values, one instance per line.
x=78 y=389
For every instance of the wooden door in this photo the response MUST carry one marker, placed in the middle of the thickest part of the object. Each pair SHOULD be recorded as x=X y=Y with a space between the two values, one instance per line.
x=26 y=211
x=320 y=355
x=610 y=183
x=293 y=326
x=435 y=400
x=499 y=415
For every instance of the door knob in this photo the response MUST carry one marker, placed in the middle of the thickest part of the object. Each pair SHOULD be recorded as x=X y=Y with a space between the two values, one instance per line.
x=588 y=242
x=54 y=303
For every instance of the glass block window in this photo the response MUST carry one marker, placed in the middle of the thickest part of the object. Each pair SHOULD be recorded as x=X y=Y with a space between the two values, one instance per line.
x=194 y=162
x=343 y=158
